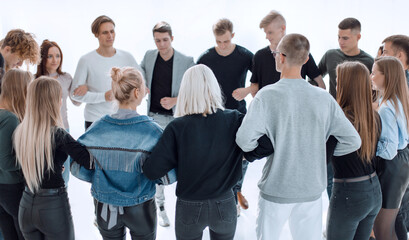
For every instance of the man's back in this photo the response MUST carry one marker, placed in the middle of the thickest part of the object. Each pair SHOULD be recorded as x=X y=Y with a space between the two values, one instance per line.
x=298 y=129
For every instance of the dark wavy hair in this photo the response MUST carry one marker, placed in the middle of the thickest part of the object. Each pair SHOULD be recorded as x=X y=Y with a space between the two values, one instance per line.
x=41 y=69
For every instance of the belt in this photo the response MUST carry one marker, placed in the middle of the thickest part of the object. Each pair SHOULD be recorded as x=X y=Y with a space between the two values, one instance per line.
x=357 y=179
x=46 y=192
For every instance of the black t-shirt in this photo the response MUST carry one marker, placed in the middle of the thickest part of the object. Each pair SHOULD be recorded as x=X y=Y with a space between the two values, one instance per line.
x=161 y=84
x=230 y=71
x=64 y=145
x=265 y=73
x=351 y=165
x=2 y=70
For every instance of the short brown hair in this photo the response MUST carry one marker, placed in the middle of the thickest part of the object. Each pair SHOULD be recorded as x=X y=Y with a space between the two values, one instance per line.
x=295 y=47
x=23 y=44
x=272 y=16
x=222 y=26
x=97 y=23
x=399 y=43
x=162 y=27
x=350 y=23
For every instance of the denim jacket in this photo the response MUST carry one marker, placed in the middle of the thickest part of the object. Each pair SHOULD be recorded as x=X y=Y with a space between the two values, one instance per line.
x=394 y=135
x=120 y=147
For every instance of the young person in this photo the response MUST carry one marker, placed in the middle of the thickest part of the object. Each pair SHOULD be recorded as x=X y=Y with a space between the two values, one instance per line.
x=388 y=77
x=163 y=68
x=230 y=63
x=292 y=182
x=356 y=194
x=213 y=158
x=12 y=108
x=123 y=196
x=41 y=145
x=51 y=65
x=93 y=70
x=18 y=46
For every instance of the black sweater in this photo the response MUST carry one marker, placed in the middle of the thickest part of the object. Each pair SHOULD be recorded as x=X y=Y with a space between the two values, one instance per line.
x=204 y=151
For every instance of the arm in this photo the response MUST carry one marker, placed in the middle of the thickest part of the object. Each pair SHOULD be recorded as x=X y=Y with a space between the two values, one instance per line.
x=74 y=149
x=387 y=147
x=163 y=157
x=80 y=78
x=7 y=157
x=82 y=90
x=240 y=93
x=252 y=127
x=342 y=129
x=320 y=82
x=265 y=148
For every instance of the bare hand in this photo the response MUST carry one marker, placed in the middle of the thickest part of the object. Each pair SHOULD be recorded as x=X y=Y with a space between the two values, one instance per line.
x=168 y=102
x=81 y=90
x=109 y=96
x=240 y=93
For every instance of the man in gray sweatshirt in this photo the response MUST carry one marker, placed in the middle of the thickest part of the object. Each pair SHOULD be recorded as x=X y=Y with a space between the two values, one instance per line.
x=294 y=177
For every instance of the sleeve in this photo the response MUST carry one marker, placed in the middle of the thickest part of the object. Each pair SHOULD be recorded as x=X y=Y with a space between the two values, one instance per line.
x=250 y=63
x=134 y=63
x=312 y=69
x=164 y=155
x=322 y=66
x=389 y=139
x=7 y=157
x=191 y=63
x=143 y=68
x=252 y=127
x=264 y=149
x=74 y=149
x=70 y=89
x=342 y=129
x=80 y=78
x=254 y=74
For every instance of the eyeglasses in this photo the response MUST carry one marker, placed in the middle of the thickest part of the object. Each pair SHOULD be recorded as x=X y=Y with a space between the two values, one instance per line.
x=275 y=53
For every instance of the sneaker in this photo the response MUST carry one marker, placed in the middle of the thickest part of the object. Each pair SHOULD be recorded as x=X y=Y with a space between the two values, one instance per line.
x=242 y=200
x=238 y=210
x=163 y=217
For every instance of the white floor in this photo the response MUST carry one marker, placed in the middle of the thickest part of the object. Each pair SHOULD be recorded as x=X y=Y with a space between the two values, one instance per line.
x=83 y=209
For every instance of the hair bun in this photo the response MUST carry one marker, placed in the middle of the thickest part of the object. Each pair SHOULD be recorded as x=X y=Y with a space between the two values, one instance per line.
x=116 y=74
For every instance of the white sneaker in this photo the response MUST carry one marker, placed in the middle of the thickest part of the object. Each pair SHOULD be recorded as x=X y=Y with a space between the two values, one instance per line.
x=163 y=217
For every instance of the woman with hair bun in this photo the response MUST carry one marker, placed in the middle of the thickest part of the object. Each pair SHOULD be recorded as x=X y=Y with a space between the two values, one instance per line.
x=123 y=195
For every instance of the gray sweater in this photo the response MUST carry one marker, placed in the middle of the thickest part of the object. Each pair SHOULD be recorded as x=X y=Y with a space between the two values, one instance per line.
x=298 y=118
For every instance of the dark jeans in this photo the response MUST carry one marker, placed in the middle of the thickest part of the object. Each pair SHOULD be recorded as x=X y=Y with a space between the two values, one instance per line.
x=140 y=219
x=46 y=215
x=87 y=125
x=330 y=177
x=402 y=219
x=193 y=216
x=353 y=209
x=10 y=196
x=237 y=187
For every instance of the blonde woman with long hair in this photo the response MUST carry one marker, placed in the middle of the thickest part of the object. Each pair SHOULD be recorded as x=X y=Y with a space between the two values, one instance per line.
x=356 y=193
x=12 y=107
x=42 y=145
x=389 y=78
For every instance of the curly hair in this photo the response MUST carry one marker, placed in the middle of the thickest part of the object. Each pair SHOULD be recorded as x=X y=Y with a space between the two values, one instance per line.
x=23 y=44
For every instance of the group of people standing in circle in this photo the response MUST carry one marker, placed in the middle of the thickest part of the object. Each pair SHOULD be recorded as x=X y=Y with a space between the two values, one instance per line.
x=197 y=130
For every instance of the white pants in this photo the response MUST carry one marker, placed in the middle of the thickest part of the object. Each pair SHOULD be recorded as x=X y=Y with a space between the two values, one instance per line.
x=305 y=219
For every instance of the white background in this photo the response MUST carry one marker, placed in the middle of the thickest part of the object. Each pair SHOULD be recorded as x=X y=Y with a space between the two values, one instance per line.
x=69 y=24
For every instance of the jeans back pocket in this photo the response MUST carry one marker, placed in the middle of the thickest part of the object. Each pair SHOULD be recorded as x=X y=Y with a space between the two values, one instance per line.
x=227 y=209
x=188 y=212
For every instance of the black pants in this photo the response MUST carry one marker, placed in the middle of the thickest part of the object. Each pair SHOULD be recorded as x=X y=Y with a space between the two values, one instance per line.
x=10 y=196
x=87 y=125
x=46 y=215
x=353 y=208
x=140 y=219
x=402 y=219
x=219 y=214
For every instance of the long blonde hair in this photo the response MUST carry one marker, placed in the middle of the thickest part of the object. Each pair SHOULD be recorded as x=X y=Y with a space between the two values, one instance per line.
x=34 y=137
x=199 y=92
x=396 y=87
x=355 y=98
x=14 y=90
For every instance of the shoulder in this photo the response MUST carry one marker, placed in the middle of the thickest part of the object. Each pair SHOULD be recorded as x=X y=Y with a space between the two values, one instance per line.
x=244 y=51
x=262 y=52
x=66 y=75
x=206 y=54
x=8 y=117
x=91 y=55
x=182 y=56
x=124 y=54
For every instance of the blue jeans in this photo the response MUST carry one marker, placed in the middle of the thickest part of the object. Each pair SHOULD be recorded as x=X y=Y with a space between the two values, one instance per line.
x=353 y=208
x=330 y=177
x=237 y=187
x=193 y=216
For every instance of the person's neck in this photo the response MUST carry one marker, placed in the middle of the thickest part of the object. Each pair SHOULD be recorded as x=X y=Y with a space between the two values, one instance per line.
x=52 y=73
x=273 y=46
x=352 y=52
x=226 y=52
x=291 y=72
x=167 y=55
x=128 y=106
x=106 y=51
